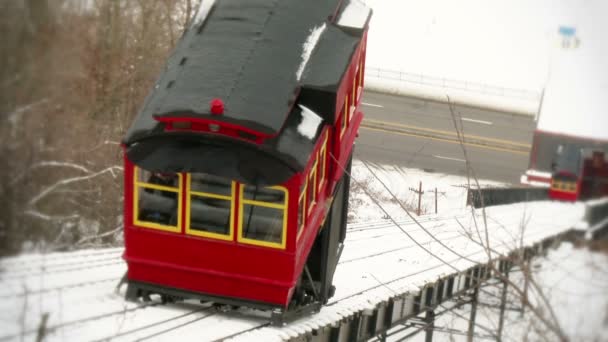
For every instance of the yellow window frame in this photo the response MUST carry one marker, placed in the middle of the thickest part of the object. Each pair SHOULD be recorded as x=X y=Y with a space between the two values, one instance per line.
x=302 y=201
x=355 y=89
x=315 y=186
x=189 y=192
x=344 y=123
x=323 y=157
x=564 y=186
x=361 y=72
x=243 y=201
x=136 y=221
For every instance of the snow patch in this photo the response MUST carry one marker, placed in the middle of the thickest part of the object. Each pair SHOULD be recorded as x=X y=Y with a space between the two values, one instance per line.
x=451 y=191
x=203 y=11
x=309 y=46
x=354 y=15
x=378 y=261
x=310 y=123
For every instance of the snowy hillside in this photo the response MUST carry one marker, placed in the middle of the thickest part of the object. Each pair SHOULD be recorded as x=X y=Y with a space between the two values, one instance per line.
x=74 y=296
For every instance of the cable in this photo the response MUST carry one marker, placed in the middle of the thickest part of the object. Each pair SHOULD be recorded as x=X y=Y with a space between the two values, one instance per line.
x=242 y=332
x=63 y=271
x=392 y=250
x=411 y=275
x=57 y=267
x=19 y=262
x=155 y=324
x=59 y=288
x=389 y=233
x=389 y=216
x=408 y=213
x=92 y=318
x=390 y=225
x=175 y=327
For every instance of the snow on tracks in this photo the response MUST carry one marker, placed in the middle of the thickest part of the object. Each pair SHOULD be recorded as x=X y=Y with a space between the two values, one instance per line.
x=379 y=262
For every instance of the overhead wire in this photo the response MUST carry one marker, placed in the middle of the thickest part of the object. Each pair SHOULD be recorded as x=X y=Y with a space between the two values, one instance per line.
x=453 y=237
x=242 y=332
x=58 y=288
x=175 y=327
x=56 y=267
x=410 y=214
x=87 y=319
x=20 y=276
x=377 y=203
x=158 y=323
x=40 y=259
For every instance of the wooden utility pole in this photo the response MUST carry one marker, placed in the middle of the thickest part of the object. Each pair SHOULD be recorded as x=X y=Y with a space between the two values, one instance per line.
x=419 y=192
x=435 y=200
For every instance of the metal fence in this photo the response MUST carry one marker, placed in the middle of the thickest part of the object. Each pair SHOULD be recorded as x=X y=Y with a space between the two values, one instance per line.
x=445 y=83
x=498 y=196
x=596 y=214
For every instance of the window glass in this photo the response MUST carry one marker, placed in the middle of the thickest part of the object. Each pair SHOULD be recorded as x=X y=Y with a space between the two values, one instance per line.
x=205 y=183
x=263 y=214
x=311 y=197
x=568 y=159
x=355 y=88
x=302 y=208
x=162 y=179
x=323 y=162
x=262 y=223
x=346 y=109
x=210 y=214
x=312 y=187
x=157 y=206
x=268 y=195
x=345 y=116
x=210 y=203
x=361 y=73
x=157 y=200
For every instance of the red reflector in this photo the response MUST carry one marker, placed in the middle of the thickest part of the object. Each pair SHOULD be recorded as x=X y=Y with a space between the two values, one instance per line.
x=217 y=107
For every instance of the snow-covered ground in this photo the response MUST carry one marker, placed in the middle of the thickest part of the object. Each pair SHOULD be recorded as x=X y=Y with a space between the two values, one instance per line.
x=78 y=290
x=509 y=44
x=403 y=182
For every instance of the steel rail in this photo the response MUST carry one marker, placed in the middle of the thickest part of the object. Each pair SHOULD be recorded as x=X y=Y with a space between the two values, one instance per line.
x=58 y=288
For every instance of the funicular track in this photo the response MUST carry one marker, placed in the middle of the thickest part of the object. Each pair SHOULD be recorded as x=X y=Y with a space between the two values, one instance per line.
x=384 y=280
x=407 y=310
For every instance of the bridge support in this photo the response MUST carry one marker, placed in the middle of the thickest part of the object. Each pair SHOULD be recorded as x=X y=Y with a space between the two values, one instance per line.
x=474 y=299
x=503 y=304
x=429 y=319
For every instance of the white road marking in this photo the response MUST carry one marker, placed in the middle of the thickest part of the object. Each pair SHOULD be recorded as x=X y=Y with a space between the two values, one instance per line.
x=371 y=105
x=477 y=121
x=448 y=158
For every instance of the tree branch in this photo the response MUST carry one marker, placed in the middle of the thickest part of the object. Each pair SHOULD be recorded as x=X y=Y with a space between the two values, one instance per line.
x=67 y=181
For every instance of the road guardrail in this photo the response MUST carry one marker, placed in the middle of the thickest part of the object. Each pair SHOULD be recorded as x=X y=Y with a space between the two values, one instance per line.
x=446 y=83
x=497 y=196
x=596 y=215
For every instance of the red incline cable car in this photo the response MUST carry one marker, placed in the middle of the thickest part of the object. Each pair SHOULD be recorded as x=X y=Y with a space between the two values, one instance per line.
x=235 y=182
x=578 y=174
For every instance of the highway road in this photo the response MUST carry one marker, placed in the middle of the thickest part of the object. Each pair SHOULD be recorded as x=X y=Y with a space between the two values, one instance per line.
x=418 y=133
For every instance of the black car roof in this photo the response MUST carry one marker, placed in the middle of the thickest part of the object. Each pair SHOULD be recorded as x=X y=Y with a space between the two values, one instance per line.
x=244 y=52
x=267 y=60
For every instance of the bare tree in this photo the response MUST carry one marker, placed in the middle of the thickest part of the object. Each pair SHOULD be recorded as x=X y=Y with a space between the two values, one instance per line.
x=529 y=293
x=72 y=77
